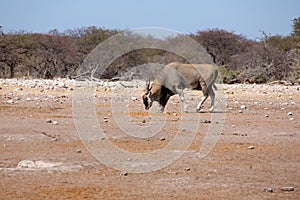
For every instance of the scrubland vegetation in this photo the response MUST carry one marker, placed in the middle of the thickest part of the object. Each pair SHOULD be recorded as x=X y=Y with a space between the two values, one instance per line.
x=59 y=54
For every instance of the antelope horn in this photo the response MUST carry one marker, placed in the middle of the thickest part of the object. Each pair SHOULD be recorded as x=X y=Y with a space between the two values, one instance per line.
x=147 y=86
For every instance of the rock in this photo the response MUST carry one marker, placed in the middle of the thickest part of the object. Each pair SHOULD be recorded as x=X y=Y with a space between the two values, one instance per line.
x=240 y=111
x=290 y=113
x=251 y=147
x=292 y=119
x=105 y=119
x=243 y=107
x=162 y=138
x=28 y=99
x=48 y=120
x=134 y=98
x=124 y=174
x=267 y=116
x=18 y=89
x=143 y=121
x=268 y=190
x=10 y=101
x=206 y=121
x=78 y=151
x=26 y=164
x=187 y=169
x=55 y=122
x=287 y=189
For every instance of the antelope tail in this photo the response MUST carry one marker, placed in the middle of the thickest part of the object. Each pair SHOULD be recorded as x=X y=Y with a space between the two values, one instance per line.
x=214 y=85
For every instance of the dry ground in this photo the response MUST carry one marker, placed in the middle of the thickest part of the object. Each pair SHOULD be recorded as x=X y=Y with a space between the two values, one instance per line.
x=43 y=160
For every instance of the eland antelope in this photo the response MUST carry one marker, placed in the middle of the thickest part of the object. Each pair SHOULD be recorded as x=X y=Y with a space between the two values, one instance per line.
x=175 y=77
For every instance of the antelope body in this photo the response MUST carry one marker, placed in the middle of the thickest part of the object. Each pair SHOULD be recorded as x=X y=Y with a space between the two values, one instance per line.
x=175 y=77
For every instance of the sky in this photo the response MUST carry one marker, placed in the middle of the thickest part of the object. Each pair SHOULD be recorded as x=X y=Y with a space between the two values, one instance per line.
x=246 y=17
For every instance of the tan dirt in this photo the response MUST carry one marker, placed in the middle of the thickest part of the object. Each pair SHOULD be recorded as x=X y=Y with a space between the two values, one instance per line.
x=64 y=169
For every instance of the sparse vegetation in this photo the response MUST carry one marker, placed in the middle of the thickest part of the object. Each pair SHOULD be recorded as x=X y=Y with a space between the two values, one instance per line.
x=57 y=54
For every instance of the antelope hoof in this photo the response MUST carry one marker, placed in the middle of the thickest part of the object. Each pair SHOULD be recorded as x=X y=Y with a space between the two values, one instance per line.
x=211 y=109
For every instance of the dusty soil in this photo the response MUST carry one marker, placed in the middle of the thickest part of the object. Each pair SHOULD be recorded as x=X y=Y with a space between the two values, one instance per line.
x=42 y=156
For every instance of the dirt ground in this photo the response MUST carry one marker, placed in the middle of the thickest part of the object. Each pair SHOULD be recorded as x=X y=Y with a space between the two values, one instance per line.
x=256 y=156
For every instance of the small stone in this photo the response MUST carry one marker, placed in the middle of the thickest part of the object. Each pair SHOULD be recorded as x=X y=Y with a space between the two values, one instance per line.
x=10 y=101
x=105 y=120
x=287 y=189
x=267 y=116
x=48 y=120
x=251 y=147
x=206 y=121
x=28 y=99
x=240 y=111
x=78 y=151
x=290 y=113
x=243 y=107
x=134 y=98
x=55 y=122
x=143 y=121
x=268 y=190
x=187 y=169
x=18 y=89
x=54 y=139
x=17 y=98
x=162 y=138
x=292 y=119
x=124 y=174
x=175 y=114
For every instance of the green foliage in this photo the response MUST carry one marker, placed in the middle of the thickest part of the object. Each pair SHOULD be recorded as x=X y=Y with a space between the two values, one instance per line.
x=229 y=76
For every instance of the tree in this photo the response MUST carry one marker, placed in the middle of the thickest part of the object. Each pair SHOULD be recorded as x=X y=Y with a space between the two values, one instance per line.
x=296 y=27
x=221 y=44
